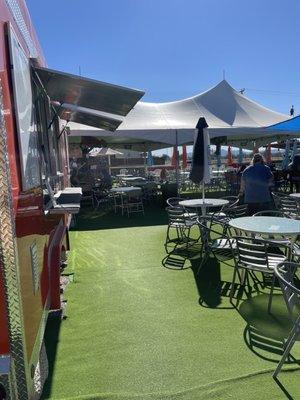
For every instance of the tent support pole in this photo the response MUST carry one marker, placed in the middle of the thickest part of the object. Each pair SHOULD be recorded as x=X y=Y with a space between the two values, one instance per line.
x=177 y=160
x=109 y=169
x=145 y=160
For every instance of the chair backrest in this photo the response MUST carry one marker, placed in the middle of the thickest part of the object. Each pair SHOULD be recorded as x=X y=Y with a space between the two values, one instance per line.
x=285 y=273
x=285 y=203
x=176 y=215
x=237 y=211
x=288 y=205
x=252 y=253
x=230 y=199
x=271 y=213
x=173 y=201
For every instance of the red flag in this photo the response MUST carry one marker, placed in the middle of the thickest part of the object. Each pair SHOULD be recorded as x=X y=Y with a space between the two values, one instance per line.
x=229 y=156
x=184 y=157
x=174 y=157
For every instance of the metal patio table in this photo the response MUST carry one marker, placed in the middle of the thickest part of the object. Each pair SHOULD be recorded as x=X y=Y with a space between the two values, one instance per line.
x=123 y=191
x=203 y=204
x=295 y=196
x=269 y=227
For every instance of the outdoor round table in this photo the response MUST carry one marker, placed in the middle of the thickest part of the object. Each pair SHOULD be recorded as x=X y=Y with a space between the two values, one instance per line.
x=269 y=226
x=120 y=176
x=295 y=196
x=203 y=203
x=133 y=178
x=125 y=189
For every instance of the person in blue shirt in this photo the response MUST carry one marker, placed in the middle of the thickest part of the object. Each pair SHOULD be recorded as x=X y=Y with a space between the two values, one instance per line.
x=256 y=182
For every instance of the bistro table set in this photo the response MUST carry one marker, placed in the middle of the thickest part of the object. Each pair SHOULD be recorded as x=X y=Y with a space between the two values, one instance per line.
x=131 y=193
x=128 y=199
x=261 y=245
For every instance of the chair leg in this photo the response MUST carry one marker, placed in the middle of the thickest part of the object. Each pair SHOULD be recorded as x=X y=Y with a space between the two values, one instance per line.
x=167 y=238
x=289 y=344
x=203 y=259
x=232 y=284
x=271 y=295
x=187 y=239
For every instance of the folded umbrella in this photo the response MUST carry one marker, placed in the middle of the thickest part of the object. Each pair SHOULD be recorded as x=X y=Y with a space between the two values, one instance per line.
x=200 y=163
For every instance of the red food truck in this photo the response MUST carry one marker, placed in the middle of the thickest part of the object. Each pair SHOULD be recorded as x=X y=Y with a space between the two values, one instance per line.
x=35 y=200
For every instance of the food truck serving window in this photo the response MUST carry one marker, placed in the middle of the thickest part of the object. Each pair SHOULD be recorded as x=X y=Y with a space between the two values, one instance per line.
x=48 y=129
x=25 y=115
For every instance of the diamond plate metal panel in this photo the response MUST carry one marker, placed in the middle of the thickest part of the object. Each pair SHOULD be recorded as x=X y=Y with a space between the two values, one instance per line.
x=9 y=264
x=19 y=19
x=7 y=377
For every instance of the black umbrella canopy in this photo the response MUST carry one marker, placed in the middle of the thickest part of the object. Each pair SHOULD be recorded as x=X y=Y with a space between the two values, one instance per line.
x=198 y=164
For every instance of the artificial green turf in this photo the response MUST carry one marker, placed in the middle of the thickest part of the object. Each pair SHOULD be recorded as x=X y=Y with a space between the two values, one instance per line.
x=137 y=330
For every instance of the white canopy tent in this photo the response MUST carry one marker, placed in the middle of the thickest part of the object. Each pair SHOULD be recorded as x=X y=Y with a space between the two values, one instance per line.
x=229 y=114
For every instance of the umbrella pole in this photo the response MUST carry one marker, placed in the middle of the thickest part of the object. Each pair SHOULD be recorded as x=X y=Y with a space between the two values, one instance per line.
x=203 y=199
x=109 y=169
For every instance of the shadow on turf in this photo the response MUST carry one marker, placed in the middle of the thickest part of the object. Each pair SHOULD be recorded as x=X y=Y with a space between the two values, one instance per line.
x=90 y=219
x=51 y=341
x=265 y=333
x=155 y=214
x=211 y=288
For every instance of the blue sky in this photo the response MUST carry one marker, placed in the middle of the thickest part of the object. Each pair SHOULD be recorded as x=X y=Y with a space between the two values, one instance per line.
x=177 y=48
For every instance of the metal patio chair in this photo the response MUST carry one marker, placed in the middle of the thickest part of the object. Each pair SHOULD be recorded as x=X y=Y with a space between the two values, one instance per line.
x=231 y=200
x=285 y=272
x=287 y=205
x=133 y=203
x=215 y=240
x=102 y=199
x=236 y=211
x=228 y=211
x=271 y=213
x=257 y=255
x=173 y=201
x=180 y=223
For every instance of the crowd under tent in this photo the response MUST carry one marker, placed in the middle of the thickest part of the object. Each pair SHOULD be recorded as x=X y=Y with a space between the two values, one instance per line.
x=232 y=119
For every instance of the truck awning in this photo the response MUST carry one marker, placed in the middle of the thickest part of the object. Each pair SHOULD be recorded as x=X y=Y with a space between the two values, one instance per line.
x=88 y=93
x=89 y=117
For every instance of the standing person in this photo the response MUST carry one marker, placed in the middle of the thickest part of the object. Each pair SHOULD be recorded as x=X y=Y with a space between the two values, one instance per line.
x=255 y=185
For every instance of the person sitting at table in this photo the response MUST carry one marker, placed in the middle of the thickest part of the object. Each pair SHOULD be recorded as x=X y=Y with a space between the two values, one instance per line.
x=256 y=182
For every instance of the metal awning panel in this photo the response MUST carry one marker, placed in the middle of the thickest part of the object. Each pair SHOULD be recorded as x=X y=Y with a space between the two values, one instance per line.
x=88 y=93
x=85 y=116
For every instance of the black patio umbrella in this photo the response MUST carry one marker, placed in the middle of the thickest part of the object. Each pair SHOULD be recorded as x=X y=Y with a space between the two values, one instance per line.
x=199 y=161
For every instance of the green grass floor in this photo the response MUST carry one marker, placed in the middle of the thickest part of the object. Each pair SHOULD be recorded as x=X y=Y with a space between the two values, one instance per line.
x=138 y=330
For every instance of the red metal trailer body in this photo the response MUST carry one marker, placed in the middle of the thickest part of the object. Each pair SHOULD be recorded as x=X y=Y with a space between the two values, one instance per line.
x=32 y=240
x=35 y=202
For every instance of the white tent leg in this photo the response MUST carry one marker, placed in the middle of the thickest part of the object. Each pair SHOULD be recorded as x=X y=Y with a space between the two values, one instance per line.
x=177 y=161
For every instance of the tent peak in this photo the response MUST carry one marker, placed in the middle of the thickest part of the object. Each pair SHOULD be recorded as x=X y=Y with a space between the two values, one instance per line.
x=222 y=85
